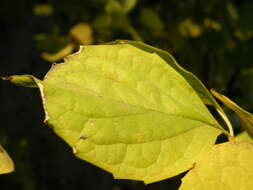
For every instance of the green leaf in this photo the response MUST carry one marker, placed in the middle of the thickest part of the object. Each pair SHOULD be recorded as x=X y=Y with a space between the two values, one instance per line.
x=23 y=80
x=228 y=166
x=43 y=10
x=246 y=118
x=60 y=54
x=151 y=20
x=6 y=164
x=52 y=42
x=244 y=136
x=188 y=28
x=195 y=83
x=128 y=5
x=125 y=6
x=128 y=111
x=232 y=12
x=82 y=32
x=209 y=23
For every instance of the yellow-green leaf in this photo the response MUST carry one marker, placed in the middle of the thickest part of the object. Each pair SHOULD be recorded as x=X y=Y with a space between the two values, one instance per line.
x=43 y=10
x=188 y=28
x=6 y=163
x=151 y=20
x=126 y=109
x=128 y=5
x=195 y=83
x=244 y=136
x=60 y=54
x=82 y=32
x=124 y=6
x=228 y=166
x=23 y=80
x=246 y=118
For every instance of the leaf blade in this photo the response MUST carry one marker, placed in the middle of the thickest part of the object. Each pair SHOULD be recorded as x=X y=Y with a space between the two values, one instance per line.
x=243 y=136
x=6 y=163
x=23 y=80
x=227 y=166
x=196 y=84
x=130 y=98
x=126 y=110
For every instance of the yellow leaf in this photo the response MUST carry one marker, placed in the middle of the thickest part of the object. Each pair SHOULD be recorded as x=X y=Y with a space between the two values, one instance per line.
x=228 y=166
x=82 y=32
x=6 y=164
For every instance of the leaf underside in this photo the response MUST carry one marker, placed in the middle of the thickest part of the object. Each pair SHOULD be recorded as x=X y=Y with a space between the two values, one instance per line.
x=228 y=166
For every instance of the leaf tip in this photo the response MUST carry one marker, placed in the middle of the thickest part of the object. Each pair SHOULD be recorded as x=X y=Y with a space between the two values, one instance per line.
x=22 y=80
x=8 y=78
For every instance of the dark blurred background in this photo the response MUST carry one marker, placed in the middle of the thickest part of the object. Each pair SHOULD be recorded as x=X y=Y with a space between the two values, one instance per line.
x=212 y=39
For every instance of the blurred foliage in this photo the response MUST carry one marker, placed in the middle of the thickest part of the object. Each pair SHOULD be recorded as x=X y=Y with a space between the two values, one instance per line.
x=212 y=39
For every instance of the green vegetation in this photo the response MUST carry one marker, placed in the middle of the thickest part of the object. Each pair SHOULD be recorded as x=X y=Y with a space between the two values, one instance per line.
x=114 y=112
x=6 y=165
x=227 y=166
x=131 y=111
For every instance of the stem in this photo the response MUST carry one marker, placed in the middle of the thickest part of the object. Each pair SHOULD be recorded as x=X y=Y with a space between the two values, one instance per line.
x=224 y=117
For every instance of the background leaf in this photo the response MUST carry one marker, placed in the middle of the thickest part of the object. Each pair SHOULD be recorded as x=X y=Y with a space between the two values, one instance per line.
x=82 y=32
x=151 y=20
x=123 y=6
x=60 y=54
x=244 y=136
x=227 y=166
x=6 y=164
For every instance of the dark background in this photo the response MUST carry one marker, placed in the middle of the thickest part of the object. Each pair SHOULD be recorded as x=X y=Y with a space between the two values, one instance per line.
x=212 y=39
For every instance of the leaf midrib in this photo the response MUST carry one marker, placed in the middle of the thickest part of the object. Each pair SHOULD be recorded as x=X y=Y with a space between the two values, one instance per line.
x=96 y=94
x=143 y=142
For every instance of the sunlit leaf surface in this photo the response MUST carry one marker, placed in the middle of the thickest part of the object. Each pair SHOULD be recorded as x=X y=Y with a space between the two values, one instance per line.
x=128 y=110
x=228 y=166
x=6 y=164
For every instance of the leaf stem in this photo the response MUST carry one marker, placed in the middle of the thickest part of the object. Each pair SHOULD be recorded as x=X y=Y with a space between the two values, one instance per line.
x=224 y=117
